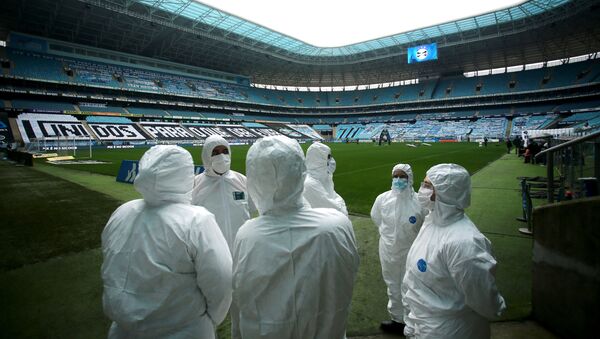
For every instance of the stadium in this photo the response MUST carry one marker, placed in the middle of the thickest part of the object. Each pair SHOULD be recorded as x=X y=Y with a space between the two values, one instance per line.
x=88 y=86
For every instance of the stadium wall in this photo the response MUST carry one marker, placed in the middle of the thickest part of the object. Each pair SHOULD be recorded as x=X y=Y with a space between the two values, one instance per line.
x=566 y=267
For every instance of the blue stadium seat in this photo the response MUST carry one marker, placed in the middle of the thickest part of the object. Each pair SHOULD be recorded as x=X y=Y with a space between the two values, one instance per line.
x=147 y=111
x=107 y=119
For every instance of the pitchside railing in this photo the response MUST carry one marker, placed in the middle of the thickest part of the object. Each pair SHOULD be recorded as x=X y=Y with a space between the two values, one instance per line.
x=577 y=163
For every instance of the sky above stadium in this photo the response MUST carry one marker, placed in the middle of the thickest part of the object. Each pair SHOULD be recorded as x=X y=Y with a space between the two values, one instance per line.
x=334 y=23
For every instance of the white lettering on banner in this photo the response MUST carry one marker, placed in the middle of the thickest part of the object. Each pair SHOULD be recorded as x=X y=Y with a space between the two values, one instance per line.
x=205 y=132
x=63 y=129
x=59 y=148
x=183 y=132
x=119 y=146
x=168 y=132
x=241 y=132
x=152 y=131
x=265 y=132
x=132 y=172
x=116 y=132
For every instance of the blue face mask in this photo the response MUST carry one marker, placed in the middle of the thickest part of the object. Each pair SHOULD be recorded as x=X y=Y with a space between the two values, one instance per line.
x=399 y=183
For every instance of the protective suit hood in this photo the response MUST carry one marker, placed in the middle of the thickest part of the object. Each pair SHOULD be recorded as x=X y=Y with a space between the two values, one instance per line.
x=318 y=187
x=452 y=184
x=406 y=169
x=166 y=174
x=209 y=145
x=409 y=191
x=316 y=161
x=226 y=195
x=276 y=172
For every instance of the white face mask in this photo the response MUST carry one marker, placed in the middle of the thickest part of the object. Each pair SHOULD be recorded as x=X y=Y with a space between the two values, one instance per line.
x=424 y=197
x=331 y=165
x=221 y=163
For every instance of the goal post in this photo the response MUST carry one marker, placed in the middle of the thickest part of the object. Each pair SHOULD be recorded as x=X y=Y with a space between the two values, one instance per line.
x=63 y=146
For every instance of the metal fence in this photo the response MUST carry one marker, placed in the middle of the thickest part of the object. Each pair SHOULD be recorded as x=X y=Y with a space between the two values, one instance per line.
x=576 y=164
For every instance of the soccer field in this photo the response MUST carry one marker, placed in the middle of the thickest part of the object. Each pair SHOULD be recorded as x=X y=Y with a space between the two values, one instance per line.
x=363 y=170
x=50 y=275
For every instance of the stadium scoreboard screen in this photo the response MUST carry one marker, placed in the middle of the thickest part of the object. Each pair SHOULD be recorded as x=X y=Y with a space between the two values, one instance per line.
x=422 y=53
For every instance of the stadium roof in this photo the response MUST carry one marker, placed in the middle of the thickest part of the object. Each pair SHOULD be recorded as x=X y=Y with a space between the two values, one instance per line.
x=188 y=32
x=200 y=13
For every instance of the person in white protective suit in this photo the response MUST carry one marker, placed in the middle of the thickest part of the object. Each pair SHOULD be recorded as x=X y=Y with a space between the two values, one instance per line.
x=166 y=269
x=318 y=186
x=294 y=266
x=398 y=216
x=449 y=286
x=221 y=190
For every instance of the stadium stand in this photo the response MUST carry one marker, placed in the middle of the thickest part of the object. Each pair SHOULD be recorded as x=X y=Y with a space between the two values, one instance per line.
x=456 y=87
x=447 y=105
x=147 y=111
x=51 y=68
x=420 y=130
x=489 y=127
x=494 y=112
x=578 y=105
x=528 y=80
x=100 y=108
x=520 y=124
x=31 y=65
x=581 y=117
x=253 y=124
x=535 y=109
x=592 y=123
x=404 y=117
x=249 y=117
x=322 y=127
x=94 y=73
x=215 y=115
x=107 y=119
x=185 y=114
x=452 y=129
x=495 y=84
x=42 y=105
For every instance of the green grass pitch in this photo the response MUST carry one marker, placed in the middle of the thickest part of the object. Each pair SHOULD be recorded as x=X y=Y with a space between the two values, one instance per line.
x=50 y=279
x=363 y=170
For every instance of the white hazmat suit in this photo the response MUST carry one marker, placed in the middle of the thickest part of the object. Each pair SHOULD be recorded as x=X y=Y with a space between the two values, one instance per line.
x=398 y=216
x=294 y=266
x=224 y=195
x=450 y=288
x=166 y=268
x=318 y=186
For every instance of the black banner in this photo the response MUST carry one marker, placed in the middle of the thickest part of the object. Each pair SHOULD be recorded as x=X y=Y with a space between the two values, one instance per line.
x=70 y=129
x=203 y=132
x=168 y=132
x=108 y=132
x=240 y=132
x=285 y=130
